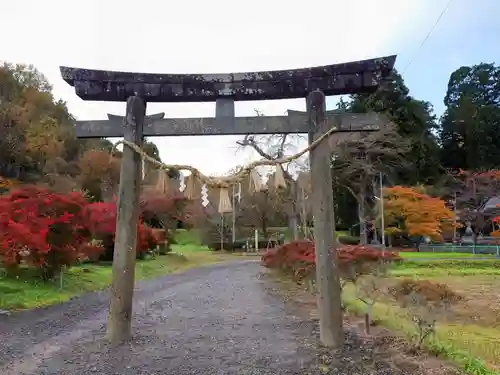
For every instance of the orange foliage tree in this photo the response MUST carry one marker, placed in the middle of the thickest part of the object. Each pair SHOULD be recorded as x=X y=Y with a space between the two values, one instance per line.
x=410 y=212
x=99 y=172
x=496 y=222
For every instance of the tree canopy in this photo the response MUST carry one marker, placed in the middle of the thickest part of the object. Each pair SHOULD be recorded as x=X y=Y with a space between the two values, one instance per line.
x=453 y=156
x=37 y=140
x=471 y=122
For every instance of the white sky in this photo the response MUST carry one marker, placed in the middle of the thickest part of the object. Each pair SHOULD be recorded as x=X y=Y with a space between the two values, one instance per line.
x=197 y=36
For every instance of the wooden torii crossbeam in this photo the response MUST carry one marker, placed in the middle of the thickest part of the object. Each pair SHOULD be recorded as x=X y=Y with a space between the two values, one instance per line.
x=311 y=83
x=295 y=122
x=337 y=79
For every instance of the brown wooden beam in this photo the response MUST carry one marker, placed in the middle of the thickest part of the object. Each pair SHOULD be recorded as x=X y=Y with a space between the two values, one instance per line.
x=295 y=122
x=150 y=118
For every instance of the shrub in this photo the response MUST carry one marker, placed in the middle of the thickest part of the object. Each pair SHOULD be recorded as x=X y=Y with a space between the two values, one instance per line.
x=101 y=217
x=348 y=240
x=353 y=261
x=164 y=240
x=44 y=229
x=166 y=210
x=299 y=258
x=425 y=302
x=212 y=231
x=430 y=291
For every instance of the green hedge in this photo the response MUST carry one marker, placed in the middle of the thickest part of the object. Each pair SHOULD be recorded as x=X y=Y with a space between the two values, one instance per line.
x=348 y=240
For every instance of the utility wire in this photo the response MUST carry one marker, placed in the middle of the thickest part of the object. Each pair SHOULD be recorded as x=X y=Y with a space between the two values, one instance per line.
x=428 y=34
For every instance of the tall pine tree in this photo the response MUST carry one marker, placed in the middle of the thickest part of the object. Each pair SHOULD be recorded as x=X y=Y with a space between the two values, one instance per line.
x=471 y=123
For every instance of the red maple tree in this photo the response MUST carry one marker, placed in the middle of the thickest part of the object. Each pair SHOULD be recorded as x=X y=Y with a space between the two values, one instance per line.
x=43 y=229
x=299 y=257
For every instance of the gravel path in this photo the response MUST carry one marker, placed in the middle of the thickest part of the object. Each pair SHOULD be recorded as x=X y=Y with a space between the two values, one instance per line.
x=215 y=320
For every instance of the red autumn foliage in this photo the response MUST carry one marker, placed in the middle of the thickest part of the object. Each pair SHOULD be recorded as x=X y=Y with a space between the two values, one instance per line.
x=168 y=209
x=43 y=229
x=299 y=257
x=47 y=230
x=102 y=225
x=159 y=235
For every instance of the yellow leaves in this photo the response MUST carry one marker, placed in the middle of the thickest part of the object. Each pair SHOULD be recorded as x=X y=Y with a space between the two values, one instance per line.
x=410 y=210
x=33 y=123
x=43 y=139
x=392 y=230
x=99 y=165
x=6 y=183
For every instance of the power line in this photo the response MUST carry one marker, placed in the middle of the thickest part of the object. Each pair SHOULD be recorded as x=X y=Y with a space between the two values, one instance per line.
x=428 y=34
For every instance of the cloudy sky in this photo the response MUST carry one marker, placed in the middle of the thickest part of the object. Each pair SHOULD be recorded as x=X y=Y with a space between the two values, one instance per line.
x=197 y=36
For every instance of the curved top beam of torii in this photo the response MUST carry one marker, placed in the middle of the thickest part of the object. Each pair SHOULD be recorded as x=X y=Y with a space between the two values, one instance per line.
x=337 y=79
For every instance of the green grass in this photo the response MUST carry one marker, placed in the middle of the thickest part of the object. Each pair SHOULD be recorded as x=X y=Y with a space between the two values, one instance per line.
x=470 y=345
x=473 y=345
x=445 y=255
x=451 y=342
x=408 y=272
x=187 y=237
x=447 y=267
x=28 y=292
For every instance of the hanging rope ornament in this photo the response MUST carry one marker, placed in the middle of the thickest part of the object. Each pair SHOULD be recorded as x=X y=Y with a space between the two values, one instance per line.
x=204 y=196
x=213 y=196
x=224 y=201
x=255 y=183
x=163 y=181
x=197 y=179
x=279 y=178
x=193 y=186
x=143 y=167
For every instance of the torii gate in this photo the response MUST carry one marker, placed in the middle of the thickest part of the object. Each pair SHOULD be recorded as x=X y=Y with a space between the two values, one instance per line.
x=136 y=89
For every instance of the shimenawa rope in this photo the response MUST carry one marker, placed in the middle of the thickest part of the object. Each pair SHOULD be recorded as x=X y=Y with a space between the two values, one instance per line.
x=224 y=181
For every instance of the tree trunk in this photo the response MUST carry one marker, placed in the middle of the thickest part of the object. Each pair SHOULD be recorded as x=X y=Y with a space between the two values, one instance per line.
x=303 y=215
x=292 y=227
x=293 y=209
x=263 y=227
x=363 y=234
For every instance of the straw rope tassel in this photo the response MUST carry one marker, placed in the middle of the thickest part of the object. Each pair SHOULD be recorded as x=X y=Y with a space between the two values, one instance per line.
x=163 y=181
x=255 y=181
x=160 y=180
x=279 y=177
x=189 y=190
x=193 y=186
x=224 y=201
x=166 y=181
x=143 y=167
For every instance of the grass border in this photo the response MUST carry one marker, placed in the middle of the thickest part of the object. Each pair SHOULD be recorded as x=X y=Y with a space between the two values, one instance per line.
x=393 y=322
x=78 y=280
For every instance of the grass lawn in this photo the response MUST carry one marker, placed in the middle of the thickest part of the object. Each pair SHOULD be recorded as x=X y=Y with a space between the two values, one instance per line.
x=471 y=334
x=27 y=293
x=445 y=255
x=187 y=237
